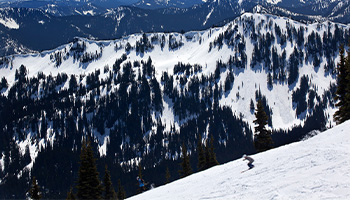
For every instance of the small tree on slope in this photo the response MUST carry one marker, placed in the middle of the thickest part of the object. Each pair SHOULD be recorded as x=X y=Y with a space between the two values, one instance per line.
x=343 y=88
x=121 y=192
x=88 y=185
x=201 y=154
x=108 y=186
x=167 y=175
x=35 y=190
x=70 y=195
x=212 y=155
x=263 y=140
x=185 y=165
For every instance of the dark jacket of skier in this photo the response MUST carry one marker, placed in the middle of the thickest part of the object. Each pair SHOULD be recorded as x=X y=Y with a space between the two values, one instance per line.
x=250 y=161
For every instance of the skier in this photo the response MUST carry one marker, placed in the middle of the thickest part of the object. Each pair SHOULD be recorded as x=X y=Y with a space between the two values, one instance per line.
x=141 y=184
x=251 y=160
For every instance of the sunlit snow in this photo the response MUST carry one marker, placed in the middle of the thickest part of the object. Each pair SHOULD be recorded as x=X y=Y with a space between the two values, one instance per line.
x=273 y=1
x=9 y=23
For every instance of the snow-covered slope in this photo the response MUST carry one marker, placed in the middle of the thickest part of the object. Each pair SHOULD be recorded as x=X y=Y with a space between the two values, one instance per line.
x=317 y=168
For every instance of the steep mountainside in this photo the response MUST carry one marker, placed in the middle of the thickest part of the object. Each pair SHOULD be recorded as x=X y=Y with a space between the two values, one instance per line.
x=142 y=96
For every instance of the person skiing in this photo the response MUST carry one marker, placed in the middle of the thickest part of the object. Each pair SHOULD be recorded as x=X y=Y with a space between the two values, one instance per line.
x=250 y=161
x=141 y=183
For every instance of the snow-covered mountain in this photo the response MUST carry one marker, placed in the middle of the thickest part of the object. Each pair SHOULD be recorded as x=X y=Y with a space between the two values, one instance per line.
x=58 y=8
x=67 y=8
x=92 y=20
x=337 y=10
x=237 y=43
x=317 y=168
x=141 y=96
x=156 y=4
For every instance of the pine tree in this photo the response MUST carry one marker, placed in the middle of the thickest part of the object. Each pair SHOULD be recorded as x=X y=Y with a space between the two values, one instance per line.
x=88 y=184
x=140 y=171
x=212 y=155
x=186 y=168
x=70 y=195
x=269 y=81
x=73 y=83
x=343 y=88
x=207 y=156
x=167 y=175
x=252 y=106
x=201 y=154
x=140 y=189
x=263 y=139
x=108 y=186
x=35 y=190
x=347 y=95
x=121 y=192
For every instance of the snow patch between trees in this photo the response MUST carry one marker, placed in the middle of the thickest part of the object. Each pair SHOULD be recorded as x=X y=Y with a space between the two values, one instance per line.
x=9 y=23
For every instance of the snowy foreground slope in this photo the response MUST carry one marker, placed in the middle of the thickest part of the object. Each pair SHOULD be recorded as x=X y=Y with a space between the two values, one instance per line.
x=318 y=168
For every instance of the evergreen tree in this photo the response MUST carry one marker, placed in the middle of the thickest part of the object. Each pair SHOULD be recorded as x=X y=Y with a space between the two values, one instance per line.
x=121 y=192
x=108 y=186
x=35 y=190
x=186 y=168
x=167 y=175
x=201 y=154
x=73 y=83
x=70 y=195
x=252 y=106
x=140 y=189
x=229 y=81
x=3 y=83
x=88 y=184
x=212 y=155
x=269 y=81
x=347 y=95
x=263 y=140
x=343 y=88
x=140 y=171
x=207 y=156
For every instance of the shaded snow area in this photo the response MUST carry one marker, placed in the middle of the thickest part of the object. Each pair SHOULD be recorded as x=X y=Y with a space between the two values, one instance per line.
x=317 y=168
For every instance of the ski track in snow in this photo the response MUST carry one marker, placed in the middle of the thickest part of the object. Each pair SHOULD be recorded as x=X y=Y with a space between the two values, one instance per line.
x=318 y=168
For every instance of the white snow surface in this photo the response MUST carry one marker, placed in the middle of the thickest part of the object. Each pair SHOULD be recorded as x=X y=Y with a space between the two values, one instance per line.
x=9 y=23
x=273 y=1
x=317 y=168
